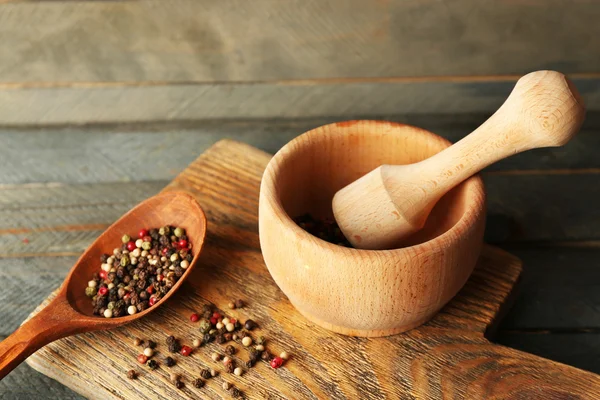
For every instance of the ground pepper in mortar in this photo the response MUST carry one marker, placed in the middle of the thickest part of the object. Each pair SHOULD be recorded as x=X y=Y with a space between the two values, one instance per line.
x=326 y=229
x=140 y=272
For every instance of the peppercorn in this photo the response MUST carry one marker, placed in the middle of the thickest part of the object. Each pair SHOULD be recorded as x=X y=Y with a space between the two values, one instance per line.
x=231 y=305
x=254 y=354
x=228 y=336
x=230 y=368
x=179 y=385
x=194 y=317
x=276 y=362
x=260 y=347
x=137 y=341
x=152 y=364
x=226 y=385
x=220 y=339
x=169 y=362
x=198 y=383
x=174 y=347
x=230 y=350
x=196 y=343
x=148 y=352
x=247 y=341
x=174 y=377
x=186 y=351
x=237 y=325
x=239 y=303
x=250 y=325
x=265 y=356
x=142 y=359
x=227 y=360
x=131 y=374
x=261 y=340
x=235 y=392
x=215 y=356
x=250 y=364
x=213 y=372
x=205 y=374
x=238 y=371
x=178 y=232
x=284 y=355
x=171 y=339
x=208 y=338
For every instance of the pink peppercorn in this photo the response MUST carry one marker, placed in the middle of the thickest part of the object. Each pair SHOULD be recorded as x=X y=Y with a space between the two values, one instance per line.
x=142 y=359
x=150 y=289
x=214 y=321
x=276 y=362
x=182 y=244
x=152 y=301
x=165 y=250
x=131 y=245
x=103 y=274
x=186 y=350
x=147 y=238
x=142 y=233
x=194 y=317
x=102 y=291
x=217 y=315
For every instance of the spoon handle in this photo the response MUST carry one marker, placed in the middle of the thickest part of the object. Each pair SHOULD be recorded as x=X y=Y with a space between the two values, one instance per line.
x=543 y=110
x=55 y=321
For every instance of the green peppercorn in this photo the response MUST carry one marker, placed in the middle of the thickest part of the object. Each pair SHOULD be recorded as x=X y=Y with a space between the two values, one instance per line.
x=125 y=238
x=90 y=291
x=178 y=232
x=146 y=245
x=111 y=305
x=125 y=260
x=204 y=326
x=161 y=231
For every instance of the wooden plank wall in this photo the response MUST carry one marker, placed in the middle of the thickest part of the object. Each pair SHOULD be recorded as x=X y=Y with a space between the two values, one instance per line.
x=64 y=62
x=103 y=102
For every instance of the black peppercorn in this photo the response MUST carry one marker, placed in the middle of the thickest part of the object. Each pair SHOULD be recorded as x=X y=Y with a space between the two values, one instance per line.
x=228 y=336
x=174 y=347
x=239 y=303
x=170 y=339
x=208 y=338
x=250 y=364
x=131 y=374
x=230 y=350
x=253 y=354
x=104 y=258
x=179 y=385
x=235 y=392
x=220 y=339
x=152 y=364
x=205 y=374
x=250 y=324
x=169 y=361
x=230 y=367
x=198 y=383
x=237 y=326
x=151 y=344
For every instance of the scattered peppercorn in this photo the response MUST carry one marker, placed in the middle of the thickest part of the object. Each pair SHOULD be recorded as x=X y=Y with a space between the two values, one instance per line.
x=284 y=355
x=239 y=303
x=179 y=385
x=174 y=377
x=230 y=368
x=238 y=371
x=235 y=392
x=169 y=362
x=215 y=356
x=261 y=340
x=205 y=374
x=247 y=341
x=142 y=359
x=250 y=364
x=152 y=364
x=194 y=317
x=230 y=350
x=204 y=326
x=276 y=362
x=197 y=343
x=250 y=324
x=326 y=229
x=151 y=344
x=265 y=356
x=137 y=342
x=231 y=305
x=198 y=383
x=131 y=374
x=260 y=347
x=186 y=350
x=148 y=352
x=131 y=280
x=213 y=372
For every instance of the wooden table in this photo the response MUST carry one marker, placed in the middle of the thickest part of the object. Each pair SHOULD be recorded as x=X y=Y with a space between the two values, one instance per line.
x=60 y=187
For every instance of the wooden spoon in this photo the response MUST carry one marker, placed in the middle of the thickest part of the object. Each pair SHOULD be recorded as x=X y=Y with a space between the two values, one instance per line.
x=70 y=312
x=391 y=202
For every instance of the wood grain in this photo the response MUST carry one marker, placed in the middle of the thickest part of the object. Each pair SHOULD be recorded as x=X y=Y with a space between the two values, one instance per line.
x=204 y=41
x=88 y=154
x=449 y=355
x=84 y=104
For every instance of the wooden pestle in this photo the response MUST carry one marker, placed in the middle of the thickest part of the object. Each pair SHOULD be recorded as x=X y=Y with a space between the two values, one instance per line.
x=380 y=209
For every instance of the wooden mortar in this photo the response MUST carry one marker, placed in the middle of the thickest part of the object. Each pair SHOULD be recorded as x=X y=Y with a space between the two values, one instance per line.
x=364 y=292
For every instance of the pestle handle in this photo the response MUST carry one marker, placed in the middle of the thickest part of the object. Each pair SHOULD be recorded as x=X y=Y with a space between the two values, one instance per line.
x=543 y=110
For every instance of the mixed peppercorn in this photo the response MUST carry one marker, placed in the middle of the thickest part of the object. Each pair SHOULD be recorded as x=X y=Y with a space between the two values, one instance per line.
x=140 y=272
x=214 y=327
x=326 y=229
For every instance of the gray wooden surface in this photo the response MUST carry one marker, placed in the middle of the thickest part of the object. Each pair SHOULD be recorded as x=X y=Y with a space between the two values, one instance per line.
x=59 y=187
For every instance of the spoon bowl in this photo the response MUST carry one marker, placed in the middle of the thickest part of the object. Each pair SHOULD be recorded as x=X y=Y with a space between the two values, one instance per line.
x=71 y=310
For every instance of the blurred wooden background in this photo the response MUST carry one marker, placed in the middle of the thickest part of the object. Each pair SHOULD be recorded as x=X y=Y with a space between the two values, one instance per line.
x=103 y=102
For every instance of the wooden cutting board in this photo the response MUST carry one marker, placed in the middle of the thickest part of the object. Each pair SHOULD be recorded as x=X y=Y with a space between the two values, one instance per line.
x=449 y=357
